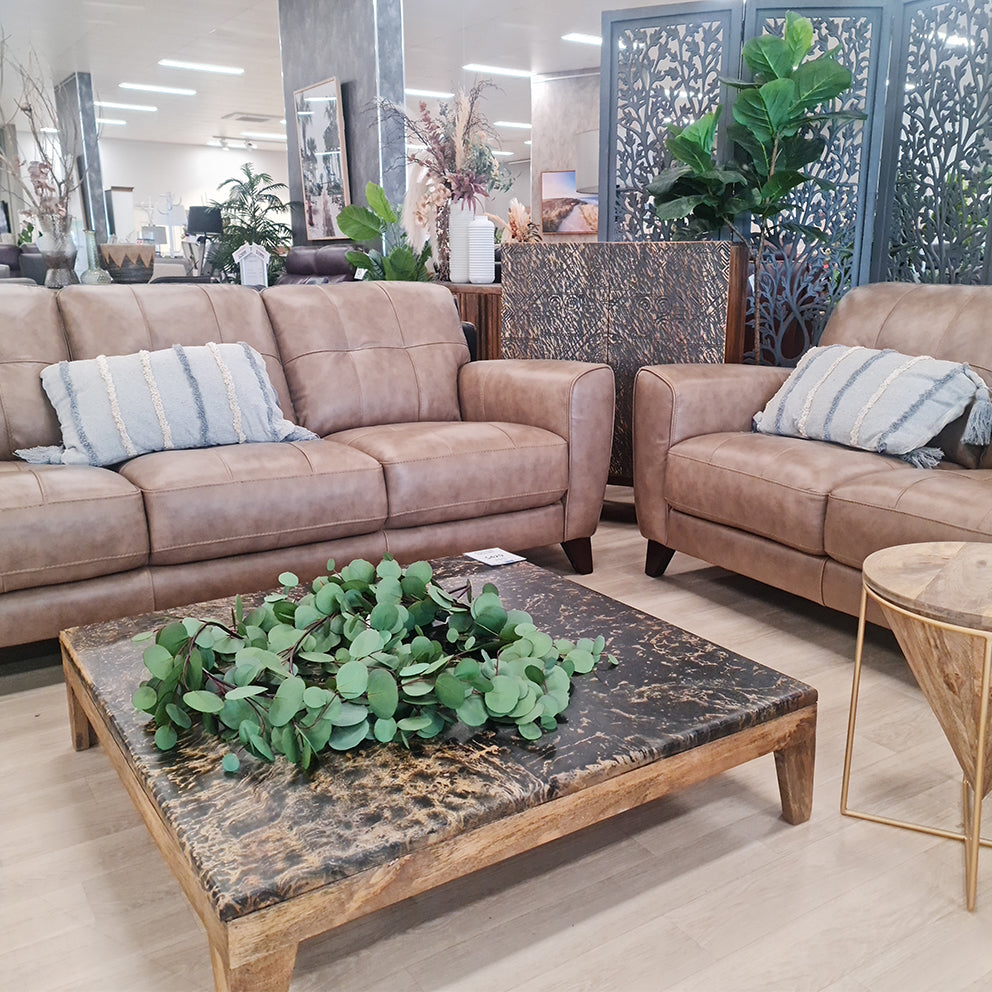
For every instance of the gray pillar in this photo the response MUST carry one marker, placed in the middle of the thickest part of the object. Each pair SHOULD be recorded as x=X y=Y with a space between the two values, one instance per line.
x=10 y=189
x=360 y=42
x=78 y=132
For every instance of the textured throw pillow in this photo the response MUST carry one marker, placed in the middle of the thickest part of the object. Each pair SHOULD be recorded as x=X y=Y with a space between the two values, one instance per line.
x=112 y=408
x=878 y=401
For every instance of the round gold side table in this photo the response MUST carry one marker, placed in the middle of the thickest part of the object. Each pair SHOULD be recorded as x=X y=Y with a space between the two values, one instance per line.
x=937 y=598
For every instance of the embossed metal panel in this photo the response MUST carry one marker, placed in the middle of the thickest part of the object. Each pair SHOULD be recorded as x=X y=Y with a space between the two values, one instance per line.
x=660 y=65
x=628 y=304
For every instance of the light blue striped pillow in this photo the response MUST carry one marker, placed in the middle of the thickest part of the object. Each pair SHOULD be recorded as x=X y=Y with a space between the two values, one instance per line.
x=878 y=400
x=112 y=408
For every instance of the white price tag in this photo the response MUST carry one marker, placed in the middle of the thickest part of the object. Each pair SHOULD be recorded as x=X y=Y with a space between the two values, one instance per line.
x=494 y=556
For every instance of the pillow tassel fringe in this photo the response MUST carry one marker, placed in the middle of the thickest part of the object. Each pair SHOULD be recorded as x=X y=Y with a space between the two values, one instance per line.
x=978 y=430
x=923 y=457
x=48 y=454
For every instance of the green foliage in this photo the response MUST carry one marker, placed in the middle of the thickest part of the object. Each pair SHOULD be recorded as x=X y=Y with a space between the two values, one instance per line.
x=370 y=653
x=778 y=120
x=247 y=214
x=26 y=236
x=379 y=223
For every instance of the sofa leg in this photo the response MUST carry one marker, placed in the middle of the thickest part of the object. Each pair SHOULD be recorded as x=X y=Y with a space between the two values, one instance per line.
x=579 y=553
x=657 y=559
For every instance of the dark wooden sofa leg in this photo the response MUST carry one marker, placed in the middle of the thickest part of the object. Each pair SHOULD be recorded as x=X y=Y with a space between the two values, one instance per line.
x=657 y=559
x=579 y=553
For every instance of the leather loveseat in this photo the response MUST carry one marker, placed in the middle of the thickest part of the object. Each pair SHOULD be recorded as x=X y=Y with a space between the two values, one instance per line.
x=421 y=453
x=799 y=514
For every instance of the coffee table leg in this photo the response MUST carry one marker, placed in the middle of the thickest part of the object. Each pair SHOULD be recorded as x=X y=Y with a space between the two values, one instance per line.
x=80 y=728
x=794 y=765
x=271 y=973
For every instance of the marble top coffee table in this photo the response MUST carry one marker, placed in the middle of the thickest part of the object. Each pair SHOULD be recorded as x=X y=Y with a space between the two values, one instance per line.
x=273 y=856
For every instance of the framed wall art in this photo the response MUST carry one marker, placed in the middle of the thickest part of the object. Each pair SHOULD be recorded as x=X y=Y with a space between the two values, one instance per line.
x=565 y=211
x=323 y=157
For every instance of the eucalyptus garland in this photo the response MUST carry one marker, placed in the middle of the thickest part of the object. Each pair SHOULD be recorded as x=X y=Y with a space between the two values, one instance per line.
x=369 y=653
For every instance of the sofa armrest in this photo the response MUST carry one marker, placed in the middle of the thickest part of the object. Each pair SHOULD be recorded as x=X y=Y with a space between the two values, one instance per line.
x=675 y=402
x=574 y=400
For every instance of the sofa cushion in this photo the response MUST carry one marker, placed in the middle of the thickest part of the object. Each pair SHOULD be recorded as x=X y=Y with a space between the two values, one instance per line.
x=62 y=523
x=33 y=339
x=451 y=471
x=772 y=486
x=880 y=401
x=122 y=320
x=212 y=502
x=363 y=353
x=884 y=509
x=116 y=408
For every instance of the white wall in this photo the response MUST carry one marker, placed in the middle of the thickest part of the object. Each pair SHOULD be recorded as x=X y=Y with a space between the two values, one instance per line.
x=189 y=172
x=498 y=203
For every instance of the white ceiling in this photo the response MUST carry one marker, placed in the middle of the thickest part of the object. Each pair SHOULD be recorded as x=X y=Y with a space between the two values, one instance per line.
x=122 y=41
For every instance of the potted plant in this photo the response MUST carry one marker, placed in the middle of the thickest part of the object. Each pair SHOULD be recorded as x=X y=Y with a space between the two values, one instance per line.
x=379 y=224
x=777 y=132
x=252 y=198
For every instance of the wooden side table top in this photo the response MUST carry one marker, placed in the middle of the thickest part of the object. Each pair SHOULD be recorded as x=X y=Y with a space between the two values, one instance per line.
x=949 y=581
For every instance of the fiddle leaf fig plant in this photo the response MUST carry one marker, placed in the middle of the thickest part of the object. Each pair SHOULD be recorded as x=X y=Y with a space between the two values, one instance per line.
x=777 y=132
x=371 y=653
x=378 y=223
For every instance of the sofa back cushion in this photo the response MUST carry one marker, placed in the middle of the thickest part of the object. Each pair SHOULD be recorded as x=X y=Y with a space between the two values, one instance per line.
x=32 y=338
x=365 y=353
x=123 y=320
x=949 y=322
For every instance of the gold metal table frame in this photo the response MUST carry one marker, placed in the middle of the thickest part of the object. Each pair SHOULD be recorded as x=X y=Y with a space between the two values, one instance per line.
x=971 y=801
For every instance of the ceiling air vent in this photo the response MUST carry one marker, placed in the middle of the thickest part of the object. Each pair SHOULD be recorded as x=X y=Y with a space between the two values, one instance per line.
x=250 y=118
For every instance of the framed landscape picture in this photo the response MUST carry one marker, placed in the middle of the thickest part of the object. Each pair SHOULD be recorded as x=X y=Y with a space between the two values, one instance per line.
x=565 y=211
x=323 y=158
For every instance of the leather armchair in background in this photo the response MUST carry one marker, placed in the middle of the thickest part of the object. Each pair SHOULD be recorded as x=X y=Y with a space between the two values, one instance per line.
x=305 y=264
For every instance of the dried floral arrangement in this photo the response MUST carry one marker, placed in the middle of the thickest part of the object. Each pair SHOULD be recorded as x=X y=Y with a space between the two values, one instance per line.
x=49 y=181
x=518 y=228
x=374 y=653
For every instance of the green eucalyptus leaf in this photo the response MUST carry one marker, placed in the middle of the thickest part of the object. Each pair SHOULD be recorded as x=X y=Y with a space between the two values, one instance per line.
x=345 y=738
x=178 y=716
x=144 y=698
x=349 y=715
x=314 y=697
x=243 y=692
x=230 y=763
x=451 y=691
x=384 y=729
x=503 y=696
x=288 y=701
x=365 y=644
x=203 y=701
x=352 y=679
x=529 y=731
x=473 y=711
x=158 y=661
x=382 y=693
x=173 y=636
x=166 y=738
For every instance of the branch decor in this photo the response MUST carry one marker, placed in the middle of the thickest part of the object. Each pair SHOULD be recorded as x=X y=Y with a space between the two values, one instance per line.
x=369 y=653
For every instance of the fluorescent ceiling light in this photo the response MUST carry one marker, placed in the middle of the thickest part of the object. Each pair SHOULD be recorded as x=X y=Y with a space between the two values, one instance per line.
x=263 y=135
x=110 y=120
x=430 y=94
x=496 y=70
x=124 y=106
x=527 y=142
x=283 y=121
x=320 y=99
x=416 y=148
x=227 y=70
x=504 y=154
x=174 y=90
x=48 y=130
x=519 y=124
x=583 y=39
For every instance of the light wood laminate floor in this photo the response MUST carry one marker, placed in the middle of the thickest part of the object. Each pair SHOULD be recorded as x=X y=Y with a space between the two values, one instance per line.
x=706 y=890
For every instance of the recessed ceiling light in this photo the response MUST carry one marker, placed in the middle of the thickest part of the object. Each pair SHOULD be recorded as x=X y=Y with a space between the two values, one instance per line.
x=110 y=120
x=430 y=94
x=263 y=135
x=496 y=70
x=520 y=124
x=174 y=90
x=124 y=106
x=227 y=70
x=583 y=39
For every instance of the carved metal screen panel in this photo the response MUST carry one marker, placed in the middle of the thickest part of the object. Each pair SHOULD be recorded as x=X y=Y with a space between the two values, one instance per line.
x=664 y=66
x=935 y=225
x=802 y=278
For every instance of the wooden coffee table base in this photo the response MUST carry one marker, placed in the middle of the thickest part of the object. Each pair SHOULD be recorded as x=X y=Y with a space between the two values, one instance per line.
x=256 y=952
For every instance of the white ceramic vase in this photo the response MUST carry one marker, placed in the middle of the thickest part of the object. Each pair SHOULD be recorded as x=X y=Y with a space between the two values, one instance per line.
x=461 y=216
x=482 y=251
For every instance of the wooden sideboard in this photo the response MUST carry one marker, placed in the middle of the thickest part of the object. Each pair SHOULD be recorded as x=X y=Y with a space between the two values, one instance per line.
x=481 y=306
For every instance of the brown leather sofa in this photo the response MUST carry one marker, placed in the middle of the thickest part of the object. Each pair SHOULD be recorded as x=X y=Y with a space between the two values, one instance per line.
x=421 y=452
x=798 y=514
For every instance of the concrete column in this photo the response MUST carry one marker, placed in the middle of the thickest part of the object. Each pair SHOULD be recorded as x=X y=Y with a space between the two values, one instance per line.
x=78 y=131
x=360 y=42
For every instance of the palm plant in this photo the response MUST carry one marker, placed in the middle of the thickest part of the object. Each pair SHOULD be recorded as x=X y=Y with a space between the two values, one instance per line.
x=247 y=219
